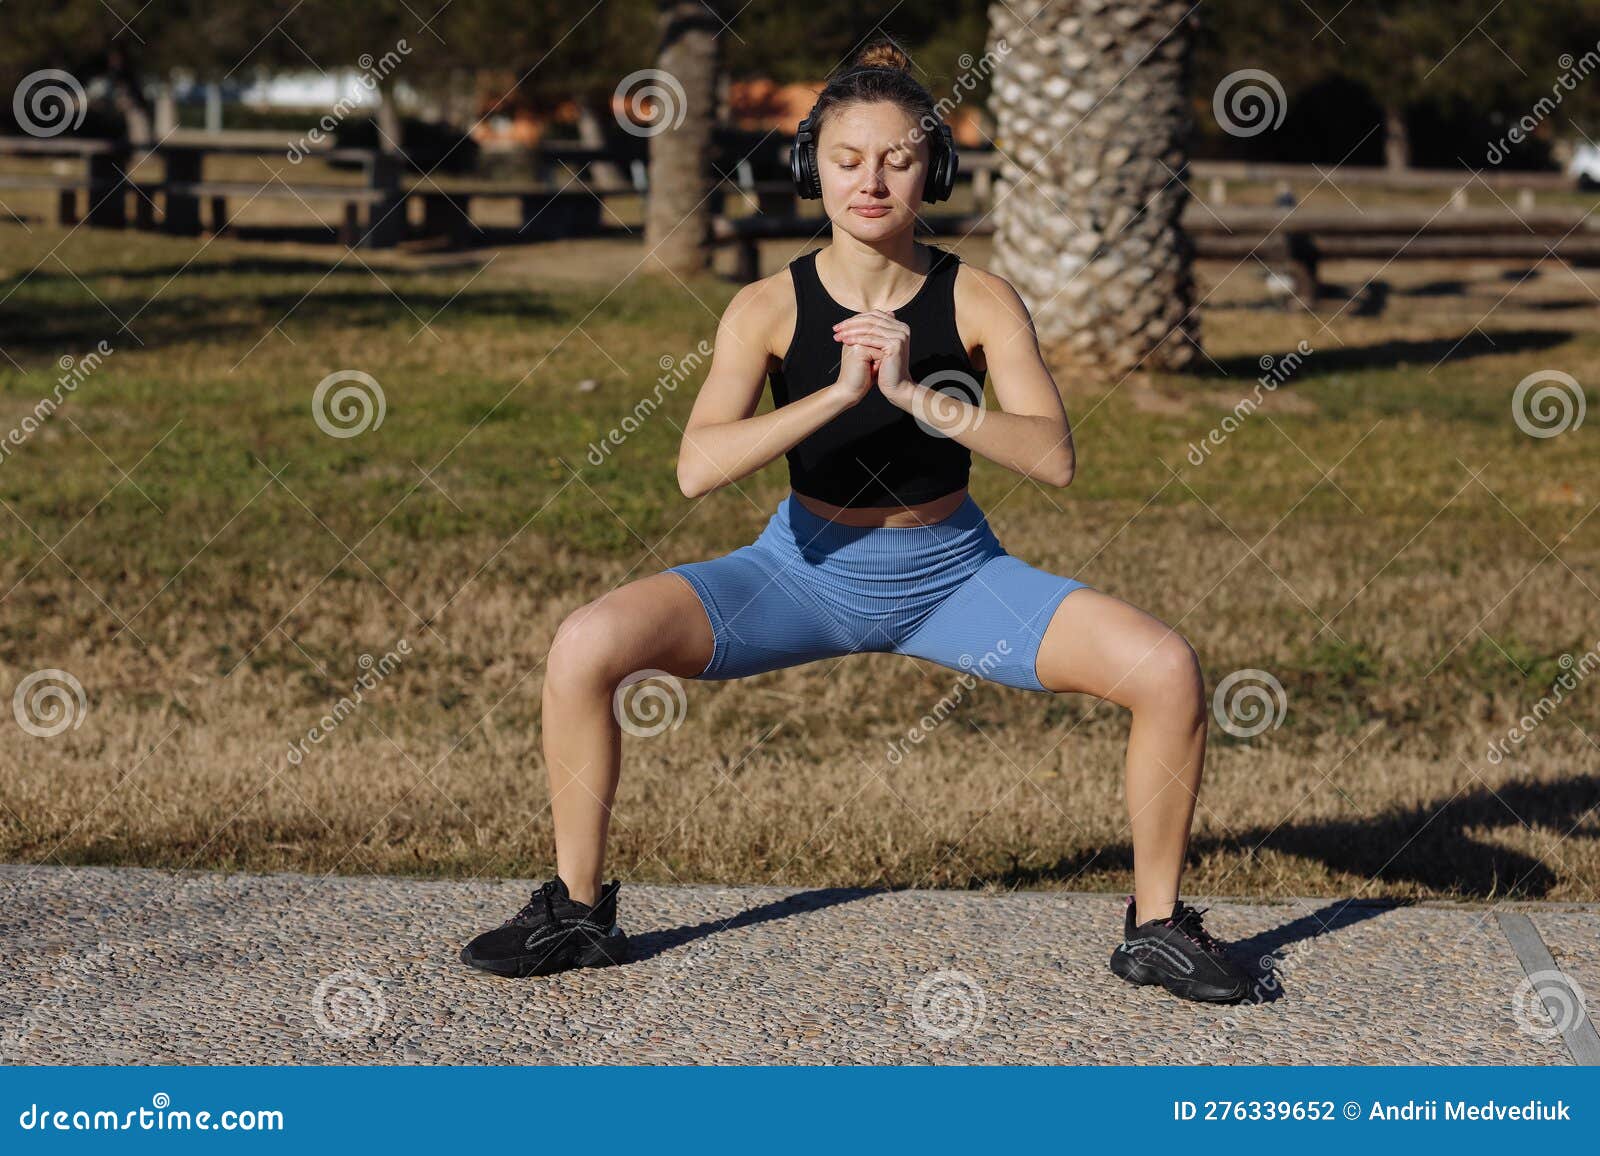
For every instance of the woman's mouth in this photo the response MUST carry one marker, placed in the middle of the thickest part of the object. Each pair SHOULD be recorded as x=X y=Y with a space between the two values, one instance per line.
x=870 y=210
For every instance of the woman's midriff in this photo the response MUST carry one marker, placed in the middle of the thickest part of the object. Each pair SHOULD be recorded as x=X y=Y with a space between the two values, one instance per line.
x=919 y=514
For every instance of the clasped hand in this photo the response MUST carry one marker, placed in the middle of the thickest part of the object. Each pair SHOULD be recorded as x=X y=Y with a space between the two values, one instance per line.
x=877 y=351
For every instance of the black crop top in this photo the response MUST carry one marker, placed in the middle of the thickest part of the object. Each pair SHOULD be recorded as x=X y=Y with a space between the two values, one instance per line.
x=874 y=453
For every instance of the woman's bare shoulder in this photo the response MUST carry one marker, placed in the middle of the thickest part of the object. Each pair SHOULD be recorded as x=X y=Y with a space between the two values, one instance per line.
x=989 y=311
x=981 y=293
x=764 y=311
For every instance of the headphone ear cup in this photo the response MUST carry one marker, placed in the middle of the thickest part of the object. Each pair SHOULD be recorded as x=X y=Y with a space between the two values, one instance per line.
x=803 y=163
x=942 y=173
x=955 y=163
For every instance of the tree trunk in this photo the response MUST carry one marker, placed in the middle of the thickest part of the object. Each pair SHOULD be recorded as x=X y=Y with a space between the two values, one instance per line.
x=391 y=133
x=678 y=216
x=127 y=96
x=1091 y=103
x=1396 y=142
x=592 y=134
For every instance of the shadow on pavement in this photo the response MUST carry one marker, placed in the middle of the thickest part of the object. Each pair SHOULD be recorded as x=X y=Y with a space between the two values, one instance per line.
x=1260 y=955
x=653 y=943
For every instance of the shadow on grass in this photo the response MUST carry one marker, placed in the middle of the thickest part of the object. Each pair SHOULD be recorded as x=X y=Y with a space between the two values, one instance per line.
x=1433 y=844
x=173 y=319
x=468 y=235
x=1324 y=361
x=1437 y=844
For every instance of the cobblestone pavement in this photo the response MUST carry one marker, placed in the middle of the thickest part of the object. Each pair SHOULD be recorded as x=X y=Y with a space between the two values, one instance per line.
x=115 y=965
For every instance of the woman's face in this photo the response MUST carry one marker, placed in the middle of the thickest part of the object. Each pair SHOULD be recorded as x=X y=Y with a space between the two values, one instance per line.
x=873 y=163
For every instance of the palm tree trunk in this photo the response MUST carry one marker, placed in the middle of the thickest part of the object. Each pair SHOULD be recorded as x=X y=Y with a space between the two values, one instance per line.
x=678 y=216
x=1090 y=97
x=1396 y=141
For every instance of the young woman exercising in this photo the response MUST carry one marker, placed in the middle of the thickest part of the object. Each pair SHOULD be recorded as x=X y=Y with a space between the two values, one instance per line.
x=876 y=348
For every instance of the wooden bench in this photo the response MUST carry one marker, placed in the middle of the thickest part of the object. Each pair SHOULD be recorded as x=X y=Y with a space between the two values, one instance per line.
x=354 y=198
x=1298 y=240
x=106 y=164
x=1489 y=183
x=183 y=187
x=546 y=214
x=771 y=198
x=104 y=206
x=105 y=167
x=1291 y=241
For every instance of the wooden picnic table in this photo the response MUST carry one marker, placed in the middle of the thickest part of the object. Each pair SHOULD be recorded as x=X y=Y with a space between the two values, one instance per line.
x=107 y=164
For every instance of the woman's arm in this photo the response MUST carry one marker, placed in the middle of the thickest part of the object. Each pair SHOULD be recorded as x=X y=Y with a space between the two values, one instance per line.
x=1030 y=432
x=722 y=442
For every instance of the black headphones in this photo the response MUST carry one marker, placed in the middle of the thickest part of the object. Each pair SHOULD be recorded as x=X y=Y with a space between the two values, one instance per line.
x=942 y=160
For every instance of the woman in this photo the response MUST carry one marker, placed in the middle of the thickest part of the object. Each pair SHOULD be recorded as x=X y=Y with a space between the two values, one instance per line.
x=877 y=348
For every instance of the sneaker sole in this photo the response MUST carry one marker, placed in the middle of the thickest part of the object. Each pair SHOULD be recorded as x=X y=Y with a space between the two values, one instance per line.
x=1125 y=967
x=607 y=952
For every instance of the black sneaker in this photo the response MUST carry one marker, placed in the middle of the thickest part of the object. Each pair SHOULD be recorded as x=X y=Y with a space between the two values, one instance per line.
x=1180 y=955
x=554 y=932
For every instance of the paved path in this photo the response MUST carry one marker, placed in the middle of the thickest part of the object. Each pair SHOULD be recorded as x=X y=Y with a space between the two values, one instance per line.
x=137 y=966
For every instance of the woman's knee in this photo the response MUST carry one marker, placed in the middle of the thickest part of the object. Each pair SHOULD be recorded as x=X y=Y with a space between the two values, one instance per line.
x=1169 y=678
x=593 y=646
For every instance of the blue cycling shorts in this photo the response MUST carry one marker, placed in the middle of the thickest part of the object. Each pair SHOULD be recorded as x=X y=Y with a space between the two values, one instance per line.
x=809 y=589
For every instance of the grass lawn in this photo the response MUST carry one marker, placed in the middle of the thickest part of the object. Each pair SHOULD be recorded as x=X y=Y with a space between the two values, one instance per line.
x=183 y=539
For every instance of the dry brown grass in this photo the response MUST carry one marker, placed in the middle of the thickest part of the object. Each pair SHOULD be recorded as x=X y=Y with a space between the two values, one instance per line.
x=1409 y=605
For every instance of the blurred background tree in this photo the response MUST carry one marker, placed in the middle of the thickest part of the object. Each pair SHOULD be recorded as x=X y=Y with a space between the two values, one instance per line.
x=1401 y=82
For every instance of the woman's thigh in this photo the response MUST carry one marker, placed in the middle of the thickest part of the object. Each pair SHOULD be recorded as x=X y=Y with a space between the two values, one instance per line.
x=1100 y=645
x=652 y=623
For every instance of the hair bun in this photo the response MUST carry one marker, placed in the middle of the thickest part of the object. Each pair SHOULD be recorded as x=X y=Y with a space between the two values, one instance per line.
x=882 y=54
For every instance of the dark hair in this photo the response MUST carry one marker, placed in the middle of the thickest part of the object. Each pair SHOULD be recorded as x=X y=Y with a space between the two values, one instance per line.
x=879 y=72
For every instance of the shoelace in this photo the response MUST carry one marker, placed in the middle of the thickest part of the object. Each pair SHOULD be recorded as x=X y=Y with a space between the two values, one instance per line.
x=546 y=892
x=1187 y=920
